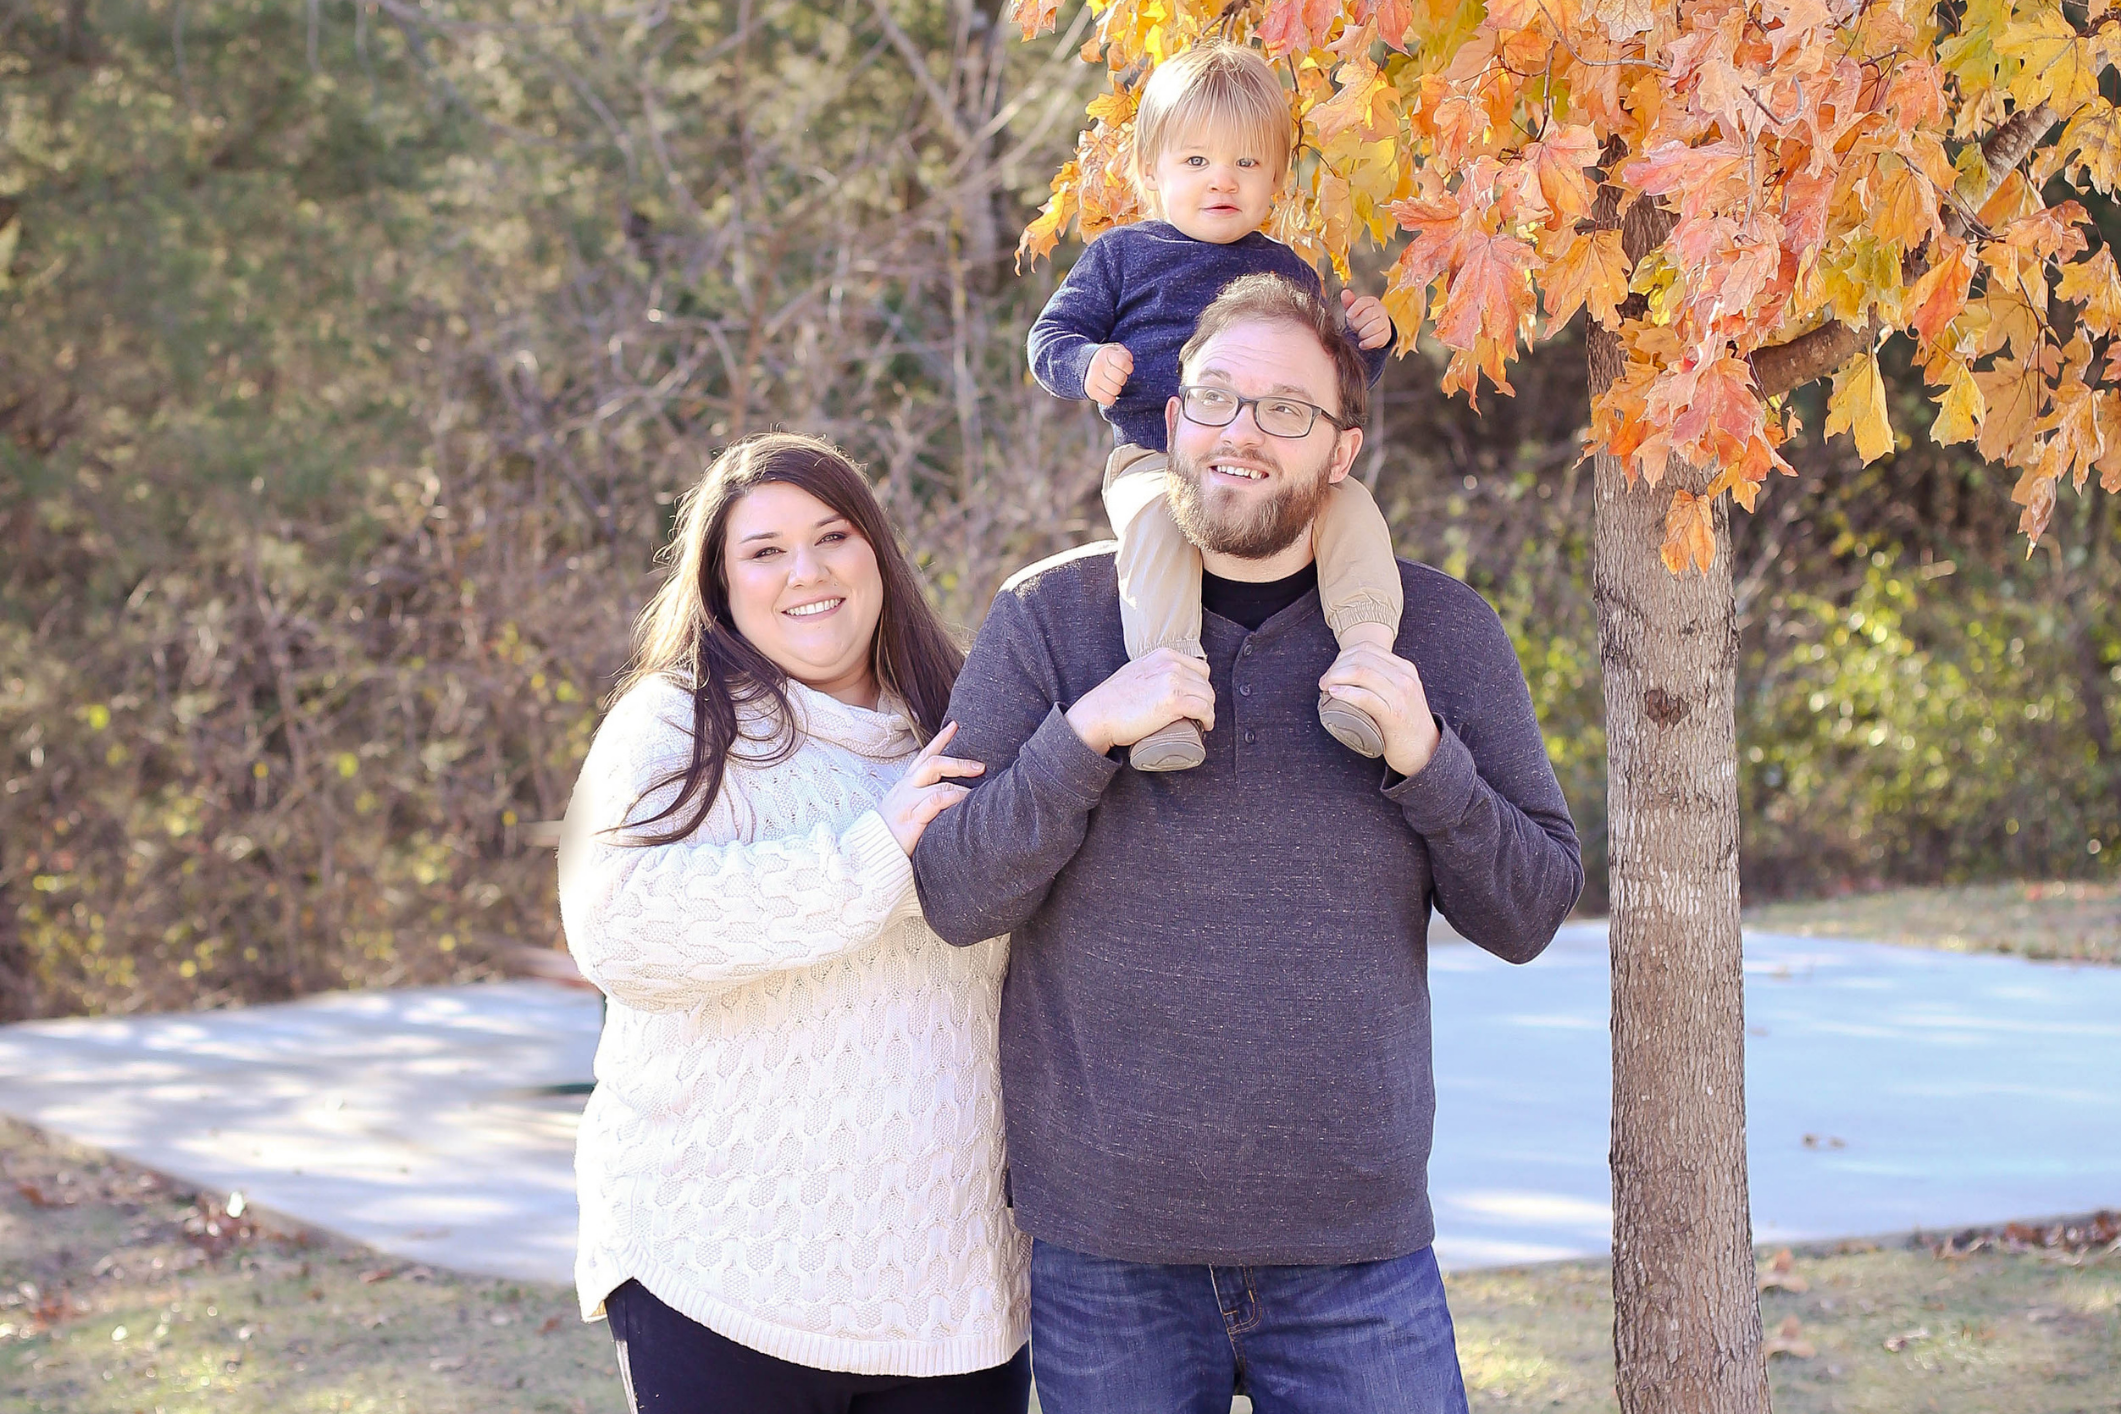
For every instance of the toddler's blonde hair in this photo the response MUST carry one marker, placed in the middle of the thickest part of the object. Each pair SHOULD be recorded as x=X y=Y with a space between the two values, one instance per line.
x=1212 y=85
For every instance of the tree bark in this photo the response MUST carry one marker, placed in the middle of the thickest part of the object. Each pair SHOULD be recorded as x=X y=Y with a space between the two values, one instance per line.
x=1686 y=1331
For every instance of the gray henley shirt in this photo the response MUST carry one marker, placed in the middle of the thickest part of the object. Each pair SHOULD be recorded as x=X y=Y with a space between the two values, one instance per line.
x=1215 y=1028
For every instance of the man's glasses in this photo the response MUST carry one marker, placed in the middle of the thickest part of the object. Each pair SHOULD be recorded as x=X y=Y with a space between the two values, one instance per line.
x=1277 y=416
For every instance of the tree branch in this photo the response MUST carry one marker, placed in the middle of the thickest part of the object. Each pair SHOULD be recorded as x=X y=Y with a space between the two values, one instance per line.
x=1820 y=351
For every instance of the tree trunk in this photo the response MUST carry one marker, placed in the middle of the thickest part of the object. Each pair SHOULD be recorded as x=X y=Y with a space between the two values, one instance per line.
x=1686 y=1331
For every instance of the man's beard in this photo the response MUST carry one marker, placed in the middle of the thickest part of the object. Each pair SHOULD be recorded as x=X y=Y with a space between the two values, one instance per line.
x=1255 y=533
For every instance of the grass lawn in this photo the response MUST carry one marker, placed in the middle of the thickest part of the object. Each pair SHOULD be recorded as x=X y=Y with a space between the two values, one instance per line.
x=2075 y=922
x=119 y=1292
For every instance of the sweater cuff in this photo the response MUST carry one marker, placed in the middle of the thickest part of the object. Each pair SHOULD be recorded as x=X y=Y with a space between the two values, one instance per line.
x=879 y=863
x=1436 y=798
x=1065 y=762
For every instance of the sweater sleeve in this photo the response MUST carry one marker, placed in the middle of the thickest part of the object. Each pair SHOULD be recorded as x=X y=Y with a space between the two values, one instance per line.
x=1074 y=322
x=666 y=927
x=1502 y=848
x=985 y=865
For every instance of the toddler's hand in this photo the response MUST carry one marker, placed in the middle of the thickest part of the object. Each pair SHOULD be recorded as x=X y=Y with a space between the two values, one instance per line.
x=1109 y=370
x=1367 y=317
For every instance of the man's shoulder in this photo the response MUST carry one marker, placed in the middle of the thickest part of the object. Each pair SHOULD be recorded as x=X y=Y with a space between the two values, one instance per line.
x=1444 y=595
x=1071 y=576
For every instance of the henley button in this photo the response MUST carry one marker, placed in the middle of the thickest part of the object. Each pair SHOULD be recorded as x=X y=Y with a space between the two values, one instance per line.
x=1251 y=737
x=1245 y=690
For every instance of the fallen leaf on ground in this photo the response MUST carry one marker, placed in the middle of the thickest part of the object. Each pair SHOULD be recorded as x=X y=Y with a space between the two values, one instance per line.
x=449 y=1362
x=1898 y=1343
x=1788 y=1340
x=1778 y=1276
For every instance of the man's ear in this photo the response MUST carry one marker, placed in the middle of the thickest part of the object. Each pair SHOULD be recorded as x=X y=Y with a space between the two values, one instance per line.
x=1345 y=446
x=1171 y=407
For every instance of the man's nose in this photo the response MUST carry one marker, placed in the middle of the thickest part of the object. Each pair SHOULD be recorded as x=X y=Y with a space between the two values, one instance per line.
x=1244 y=429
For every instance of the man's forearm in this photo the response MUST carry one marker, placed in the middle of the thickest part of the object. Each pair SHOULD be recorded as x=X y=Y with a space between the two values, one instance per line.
x=1505 y=874
x=985 y=864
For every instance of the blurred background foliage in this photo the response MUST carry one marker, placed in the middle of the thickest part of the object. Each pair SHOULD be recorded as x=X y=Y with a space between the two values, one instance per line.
x=352 y=356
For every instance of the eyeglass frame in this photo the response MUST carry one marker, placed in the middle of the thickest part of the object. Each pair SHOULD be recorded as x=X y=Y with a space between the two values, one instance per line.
x=1253 y=403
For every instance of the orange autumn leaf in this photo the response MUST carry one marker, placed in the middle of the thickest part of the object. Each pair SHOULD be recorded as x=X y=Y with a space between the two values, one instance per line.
x=1592 y=269
x=1689 y=532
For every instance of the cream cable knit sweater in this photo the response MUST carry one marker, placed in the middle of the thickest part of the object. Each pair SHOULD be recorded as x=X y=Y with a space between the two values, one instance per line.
x=796 y=1133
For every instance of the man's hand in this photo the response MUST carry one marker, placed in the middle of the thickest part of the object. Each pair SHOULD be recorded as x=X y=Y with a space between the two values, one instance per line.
x=1150 y=692
x=1366 y=316
x=1110 y=367
x=1389 y=689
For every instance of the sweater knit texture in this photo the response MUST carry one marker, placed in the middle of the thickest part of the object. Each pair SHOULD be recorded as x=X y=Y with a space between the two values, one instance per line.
x=795 y=1137
x=1215 y=1031
x=1144 y=286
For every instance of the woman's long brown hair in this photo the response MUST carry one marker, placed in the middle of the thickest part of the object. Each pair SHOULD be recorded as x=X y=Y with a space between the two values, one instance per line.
x=686 y=633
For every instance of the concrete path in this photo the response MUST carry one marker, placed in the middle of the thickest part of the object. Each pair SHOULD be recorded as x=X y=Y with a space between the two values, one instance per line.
x=408 y=1120
x=1887 y=1088
x=1935 y=1089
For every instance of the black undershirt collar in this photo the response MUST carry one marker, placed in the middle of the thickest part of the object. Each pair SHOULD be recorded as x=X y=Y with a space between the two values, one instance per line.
x=1251 y=603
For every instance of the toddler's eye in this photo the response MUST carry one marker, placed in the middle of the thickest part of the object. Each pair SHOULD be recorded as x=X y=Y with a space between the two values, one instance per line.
x=1248 y=161
x=1196 y=161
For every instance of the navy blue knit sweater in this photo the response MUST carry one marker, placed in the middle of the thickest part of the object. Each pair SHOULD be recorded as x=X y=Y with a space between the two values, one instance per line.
x=1145 y=286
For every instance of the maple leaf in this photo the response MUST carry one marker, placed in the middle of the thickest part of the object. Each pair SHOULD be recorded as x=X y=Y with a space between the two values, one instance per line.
x=1393 y=19
x=2012 y=392
x=2091 y=145
x=1489 y=295
x=1622 y=19
x=1592 y=268
x=1365 y=107
x=1291 y=26
x=1035 y=16
x=1558 y=161
x=1961 y=409
x=1939 y=293
x=1857 y=407
x=2095 y=284
x=1689 y=532
x=2056 y=65
x=1043 y=233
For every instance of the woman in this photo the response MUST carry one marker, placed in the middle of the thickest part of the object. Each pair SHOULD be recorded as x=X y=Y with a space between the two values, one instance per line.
x=790 y=1172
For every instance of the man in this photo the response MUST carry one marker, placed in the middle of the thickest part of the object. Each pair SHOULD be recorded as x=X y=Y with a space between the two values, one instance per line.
x=1215 y=1030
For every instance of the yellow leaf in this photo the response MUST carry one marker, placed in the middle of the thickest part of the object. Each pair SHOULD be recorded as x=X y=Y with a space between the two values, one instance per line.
x=1857 y=407
x=2096 y=285
x=2012 y=392
x=2091 y=145
x=1960 y=410
x=2056 y=65
x=1592 y=268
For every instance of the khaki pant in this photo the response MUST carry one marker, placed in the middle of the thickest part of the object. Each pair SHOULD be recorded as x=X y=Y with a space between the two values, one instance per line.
x=1159 y=569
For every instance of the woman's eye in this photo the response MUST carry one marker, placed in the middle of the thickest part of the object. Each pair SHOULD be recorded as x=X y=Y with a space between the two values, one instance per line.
x=765 y=551
x=832 y=537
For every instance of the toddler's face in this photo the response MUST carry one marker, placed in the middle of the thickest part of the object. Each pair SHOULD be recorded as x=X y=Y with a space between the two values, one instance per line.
x=1213 y=186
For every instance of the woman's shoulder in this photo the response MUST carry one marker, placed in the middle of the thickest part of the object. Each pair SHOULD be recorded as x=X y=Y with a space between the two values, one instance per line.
x=654 y=705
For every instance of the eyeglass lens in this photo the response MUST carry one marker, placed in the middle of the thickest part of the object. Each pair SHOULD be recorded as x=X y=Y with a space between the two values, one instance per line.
x=1278 y=417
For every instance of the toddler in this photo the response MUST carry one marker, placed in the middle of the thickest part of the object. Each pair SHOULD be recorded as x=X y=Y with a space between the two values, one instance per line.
x=1212 y=146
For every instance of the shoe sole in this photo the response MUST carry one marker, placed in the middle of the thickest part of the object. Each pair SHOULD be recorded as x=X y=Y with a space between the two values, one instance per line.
x=1351 y=727
x=1177 y=747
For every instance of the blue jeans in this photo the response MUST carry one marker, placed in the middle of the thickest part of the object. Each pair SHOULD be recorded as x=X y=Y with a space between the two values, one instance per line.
x=1111 y=1337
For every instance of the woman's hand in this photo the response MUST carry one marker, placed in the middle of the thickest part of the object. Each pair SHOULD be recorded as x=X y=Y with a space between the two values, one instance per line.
x=925 y=791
